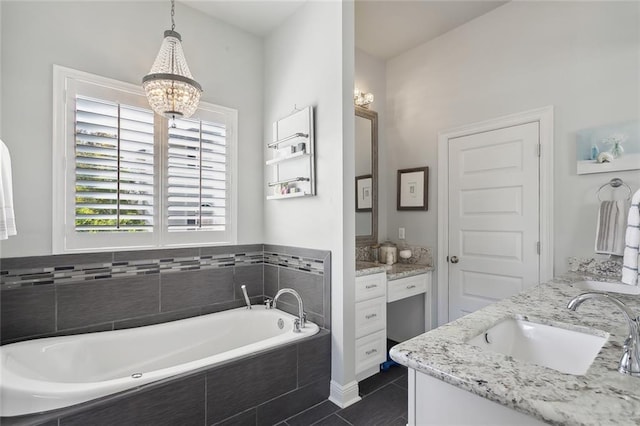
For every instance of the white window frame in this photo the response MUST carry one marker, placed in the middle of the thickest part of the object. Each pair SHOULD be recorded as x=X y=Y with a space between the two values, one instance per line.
x=65 y=239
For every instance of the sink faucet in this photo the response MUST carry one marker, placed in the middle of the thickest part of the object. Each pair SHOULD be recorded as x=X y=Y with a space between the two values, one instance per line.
x=630 y=360
x=302 y=317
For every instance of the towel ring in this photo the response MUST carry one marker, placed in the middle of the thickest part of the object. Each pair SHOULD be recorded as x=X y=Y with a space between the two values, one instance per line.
x=614 y=183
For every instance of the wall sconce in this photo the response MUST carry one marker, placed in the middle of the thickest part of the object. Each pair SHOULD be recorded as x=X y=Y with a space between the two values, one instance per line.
x=362 y=99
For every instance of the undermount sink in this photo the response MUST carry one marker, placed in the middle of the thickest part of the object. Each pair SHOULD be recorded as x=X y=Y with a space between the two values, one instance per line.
x=609 y=287
x=567 y=351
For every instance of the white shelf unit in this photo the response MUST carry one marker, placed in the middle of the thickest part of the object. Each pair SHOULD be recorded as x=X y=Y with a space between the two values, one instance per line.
x=292 y=160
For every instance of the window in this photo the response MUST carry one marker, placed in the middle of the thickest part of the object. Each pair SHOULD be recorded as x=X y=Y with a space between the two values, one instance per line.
x=114 y=167
x=132 y=179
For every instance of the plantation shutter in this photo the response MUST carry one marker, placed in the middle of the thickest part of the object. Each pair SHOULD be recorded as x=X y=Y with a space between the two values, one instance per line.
x=114 y=167
x=197 y=187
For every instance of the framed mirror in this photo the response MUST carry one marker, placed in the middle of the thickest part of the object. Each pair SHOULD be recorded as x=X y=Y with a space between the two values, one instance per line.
x=366 y=184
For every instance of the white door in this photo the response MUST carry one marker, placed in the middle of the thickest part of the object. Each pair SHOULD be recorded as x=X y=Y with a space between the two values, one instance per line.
x=493 y=216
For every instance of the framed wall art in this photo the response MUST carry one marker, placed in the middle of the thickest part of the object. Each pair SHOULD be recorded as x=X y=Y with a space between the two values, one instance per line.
x=364 y=196
x=413 y=188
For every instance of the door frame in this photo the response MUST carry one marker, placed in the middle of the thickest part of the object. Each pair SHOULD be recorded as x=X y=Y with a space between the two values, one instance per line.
x=544 y=117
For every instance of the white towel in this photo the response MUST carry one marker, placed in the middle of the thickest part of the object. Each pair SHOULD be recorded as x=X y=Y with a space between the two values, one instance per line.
x=7 y=217
x=632 y=242
x=610 y=231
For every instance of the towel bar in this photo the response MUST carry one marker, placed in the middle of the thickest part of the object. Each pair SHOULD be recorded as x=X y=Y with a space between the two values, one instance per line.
x=614 y=183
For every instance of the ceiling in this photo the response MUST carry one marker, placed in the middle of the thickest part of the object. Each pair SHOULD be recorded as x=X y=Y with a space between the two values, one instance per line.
x=384 y=28
x=387 y=28
x=258 y=17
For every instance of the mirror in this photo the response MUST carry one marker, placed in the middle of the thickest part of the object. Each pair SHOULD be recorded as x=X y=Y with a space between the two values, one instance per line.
x=366 y=167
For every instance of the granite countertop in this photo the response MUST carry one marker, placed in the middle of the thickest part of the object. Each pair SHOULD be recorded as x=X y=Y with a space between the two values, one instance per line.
x=601 y=396
x=394 y=272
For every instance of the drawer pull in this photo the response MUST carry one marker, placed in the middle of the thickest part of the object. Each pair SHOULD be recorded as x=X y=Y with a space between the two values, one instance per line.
x=409 y=287
x=372 y=351
x=370 y=316
x=371 y=286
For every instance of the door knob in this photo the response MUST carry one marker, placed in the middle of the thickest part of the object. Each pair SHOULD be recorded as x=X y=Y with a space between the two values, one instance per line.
x=454 y=259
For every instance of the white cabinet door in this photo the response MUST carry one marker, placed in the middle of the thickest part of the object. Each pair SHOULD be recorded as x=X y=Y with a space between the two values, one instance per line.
x=434 y=402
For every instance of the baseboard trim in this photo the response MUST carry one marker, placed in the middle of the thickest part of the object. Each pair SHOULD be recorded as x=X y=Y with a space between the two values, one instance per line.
x=344 y=395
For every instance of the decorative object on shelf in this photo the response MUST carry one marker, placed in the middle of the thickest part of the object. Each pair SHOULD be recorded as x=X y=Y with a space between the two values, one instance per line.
x=609 y=148
x=616 y=144
x=405 y=254
x=364 y=197
x=413 y=188
x=169 y=86
x=388 y=249
x=292 y=162
x=604 y=157
x=362 y=99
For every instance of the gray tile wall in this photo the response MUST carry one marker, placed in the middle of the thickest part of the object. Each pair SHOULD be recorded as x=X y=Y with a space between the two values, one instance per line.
x=261 y=390
x=68 y=294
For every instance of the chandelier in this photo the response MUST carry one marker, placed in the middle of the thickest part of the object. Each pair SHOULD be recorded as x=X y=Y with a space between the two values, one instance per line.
x=169 y=86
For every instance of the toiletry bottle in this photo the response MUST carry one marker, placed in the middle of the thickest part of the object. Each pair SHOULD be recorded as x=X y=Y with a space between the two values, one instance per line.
x=594 y=152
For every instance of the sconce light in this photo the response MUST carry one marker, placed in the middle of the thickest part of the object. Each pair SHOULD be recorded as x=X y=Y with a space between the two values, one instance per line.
x=169 y=86
x=362 y=99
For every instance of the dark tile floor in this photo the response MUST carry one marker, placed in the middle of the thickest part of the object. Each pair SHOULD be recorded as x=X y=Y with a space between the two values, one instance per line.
x=384 y=402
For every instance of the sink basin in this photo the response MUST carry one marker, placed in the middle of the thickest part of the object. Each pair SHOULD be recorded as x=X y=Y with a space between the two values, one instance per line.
x=567 y=351
x=617 y=287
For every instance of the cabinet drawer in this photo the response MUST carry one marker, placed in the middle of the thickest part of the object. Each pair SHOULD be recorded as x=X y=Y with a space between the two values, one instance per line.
x=371 y=315
x=371 y=351
x=370 y=286
x=406 y=287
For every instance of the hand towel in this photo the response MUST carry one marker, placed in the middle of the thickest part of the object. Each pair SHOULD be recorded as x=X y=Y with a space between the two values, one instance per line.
x=7 y=217
x=632 y=242
x=610 y=231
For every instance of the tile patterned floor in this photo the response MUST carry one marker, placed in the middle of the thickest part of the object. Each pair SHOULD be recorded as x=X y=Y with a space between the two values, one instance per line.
x=384 y=402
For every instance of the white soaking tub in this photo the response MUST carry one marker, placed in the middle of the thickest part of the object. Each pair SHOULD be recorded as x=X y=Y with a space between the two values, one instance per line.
x=50 y=373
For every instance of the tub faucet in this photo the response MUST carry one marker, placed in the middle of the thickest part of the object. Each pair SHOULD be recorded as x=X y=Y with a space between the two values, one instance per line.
x=246 y=296
x=302 y=317
x=630 y=360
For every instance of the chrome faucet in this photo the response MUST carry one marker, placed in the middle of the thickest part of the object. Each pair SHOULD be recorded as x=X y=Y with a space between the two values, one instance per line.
x=302 y=317
x=630 y=360
x=246 y=296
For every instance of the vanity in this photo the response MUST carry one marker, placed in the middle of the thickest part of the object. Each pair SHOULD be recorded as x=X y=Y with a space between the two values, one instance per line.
x=454 y=379
x=376 y=286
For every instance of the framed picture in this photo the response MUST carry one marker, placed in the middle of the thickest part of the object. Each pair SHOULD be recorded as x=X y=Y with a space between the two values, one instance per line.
x=610 y=148
x=364 y=186
x=412 y=188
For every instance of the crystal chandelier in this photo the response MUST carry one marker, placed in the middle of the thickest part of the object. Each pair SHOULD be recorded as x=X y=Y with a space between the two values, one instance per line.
x=169 y=86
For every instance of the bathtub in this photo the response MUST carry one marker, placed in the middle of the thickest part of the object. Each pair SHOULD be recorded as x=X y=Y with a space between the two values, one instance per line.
x=51 y=373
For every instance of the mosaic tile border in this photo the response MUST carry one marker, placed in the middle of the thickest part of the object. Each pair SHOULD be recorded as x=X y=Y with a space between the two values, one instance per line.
x=117 y=269
x=305 y=264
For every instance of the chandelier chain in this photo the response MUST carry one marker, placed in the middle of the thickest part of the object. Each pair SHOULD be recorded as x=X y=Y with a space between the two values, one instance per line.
x=173 y=13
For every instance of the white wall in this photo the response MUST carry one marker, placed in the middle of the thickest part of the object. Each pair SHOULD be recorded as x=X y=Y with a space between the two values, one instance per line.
x=581 y=57
x=304 y=62
x=371 y=77
x=118 y=40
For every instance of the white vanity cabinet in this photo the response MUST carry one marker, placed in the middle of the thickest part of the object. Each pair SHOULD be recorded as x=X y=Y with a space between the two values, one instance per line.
x=434 y=402
x=371 y=324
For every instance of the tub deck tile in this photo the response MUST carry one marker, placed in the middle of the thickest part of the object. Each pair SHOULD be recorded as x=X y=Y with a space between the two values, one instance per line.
x=179 y=402
x=238 y=387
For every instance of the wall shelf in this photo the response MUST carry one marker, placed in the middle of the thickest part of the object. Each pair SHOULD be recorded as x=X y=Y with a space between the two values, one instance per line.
x=290 y=195
x=292 y=163
x=286 y=158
